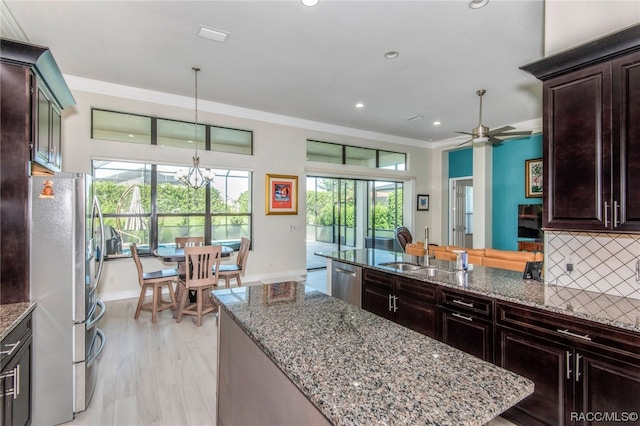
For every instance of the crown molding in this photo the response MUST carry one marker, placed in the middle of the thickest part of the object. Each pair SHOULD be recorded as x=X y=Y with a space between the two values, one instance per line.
x=128 y=92
x=10 y=28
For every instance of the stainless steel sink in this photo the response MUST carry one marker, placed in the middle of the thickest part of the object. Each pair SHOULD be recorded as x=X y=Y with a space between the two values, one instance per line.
x=403 y=266
x=433 y=270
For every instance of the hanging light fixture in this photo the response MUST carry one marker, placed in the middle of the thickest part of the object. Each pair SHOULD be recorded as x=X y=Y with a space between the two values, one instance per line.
x=195 y=177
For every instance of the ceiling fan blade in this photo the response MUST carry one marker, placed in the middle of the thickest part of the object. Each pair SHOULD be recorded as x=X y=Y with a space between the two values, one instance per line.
x=465 y=133
x=495 y=141
x=500 y=130
x=464 y=143
x=523 y=133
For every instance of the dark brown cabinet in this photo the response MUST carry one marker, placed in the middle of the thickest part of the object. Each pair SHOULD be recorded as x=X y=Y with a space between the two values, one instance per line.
x=32 y=93
x=404 y=300
x=15 y=376
x=466 y=323
x=46 y=149
x=591 y=101
x=579 y=369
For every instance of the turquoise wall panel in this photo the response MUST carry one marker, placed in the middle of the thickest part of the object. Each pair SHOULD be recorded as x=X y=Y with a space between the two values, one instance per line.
x=461 y=163
x=509 y=188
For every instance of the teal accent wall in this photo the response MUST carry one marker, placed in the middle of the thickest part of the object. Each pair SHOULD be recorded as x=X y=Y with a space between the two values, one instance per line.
x=461 y=163
x=509 y=188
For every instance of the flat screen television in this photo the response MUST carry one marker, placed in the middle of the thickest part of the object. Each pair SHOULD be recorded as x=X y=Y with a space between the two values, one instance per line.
x=530 y=221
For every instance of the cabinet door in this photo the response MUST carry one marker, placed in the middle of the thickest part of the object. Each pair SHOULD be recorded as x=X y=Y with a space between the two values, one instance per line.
x=41 y=148
x=626 y=159
x=605 y=385
x=548 y=365
x=15 y=385
x=55 y=145
x=417 y=315
x=577 y=150
x=377 y=301
x=467 y=333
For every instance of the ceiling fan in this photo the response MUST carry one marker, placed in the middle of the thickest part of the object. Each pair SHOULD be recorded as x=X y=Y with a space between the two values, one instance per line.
x=482 y=134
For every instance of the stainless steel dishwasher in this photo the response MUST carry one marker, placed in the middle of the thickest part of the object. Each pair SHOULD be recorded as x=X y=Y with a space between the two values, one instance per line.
x=346 y=283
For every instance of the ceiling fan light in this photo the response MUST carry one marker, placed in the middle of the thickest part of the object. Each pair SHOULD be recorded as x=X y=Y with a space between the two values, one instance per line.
x=481 y=139
x=477 y=4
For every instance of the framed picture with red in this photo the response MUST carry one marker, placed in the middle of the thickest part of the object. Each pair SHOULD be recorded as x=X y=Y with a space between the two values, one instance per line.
x=281 y=194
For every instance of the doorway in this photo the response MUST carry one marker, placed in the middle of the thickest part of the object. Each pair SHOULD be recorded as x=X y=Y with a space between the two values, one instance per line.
x=461 y=212
x=350 y=213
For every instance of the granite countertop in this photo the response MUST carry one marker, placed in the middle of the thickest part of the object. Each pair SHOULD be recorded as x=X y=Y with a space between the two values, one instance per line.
x=11 y=314
x=507 y=285
x=358 y=368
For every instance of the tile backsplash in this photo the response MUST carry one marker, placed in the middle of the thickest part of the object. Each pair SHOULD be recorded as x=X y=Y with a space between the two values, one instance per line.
x=602 y=263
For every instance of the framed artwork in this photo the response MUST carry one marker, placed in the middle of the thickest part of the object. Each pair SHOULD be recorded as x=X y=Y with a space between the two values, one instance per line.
x=423 y=202
x=280 y=292
x=533 y=178
x=281 y=194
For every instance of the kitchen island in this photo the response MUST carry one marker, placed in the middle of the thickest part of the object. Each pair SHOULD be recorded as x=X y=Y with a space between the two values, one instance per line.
x=289 y=354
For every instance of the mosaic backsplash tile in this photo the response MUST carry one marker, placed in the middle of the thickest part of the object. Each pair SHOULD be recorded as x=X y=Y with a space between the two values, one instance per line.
x=602 y=263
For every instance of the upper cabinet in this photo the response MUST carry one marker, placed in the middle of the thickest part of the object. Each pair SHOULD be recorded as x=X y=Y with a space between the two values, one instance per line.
x=43 y=94
x=591 y=101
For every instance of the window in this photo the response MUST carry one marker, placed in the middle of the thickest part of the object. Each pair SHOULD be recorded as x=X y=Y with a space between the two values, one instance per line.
x=327 y=152
x=131 y=128
x=144 y=204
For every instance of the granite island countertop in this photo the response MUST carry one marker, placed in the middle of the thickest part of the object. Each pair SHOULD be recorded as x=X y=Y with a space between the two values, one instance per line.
x=11 y=314
x=507 y=285
x=358 y=368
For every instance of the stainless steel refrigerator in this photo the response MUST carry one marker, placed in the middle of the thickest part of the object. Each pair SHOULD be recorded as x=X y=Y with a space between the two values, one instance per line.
x=67 y=239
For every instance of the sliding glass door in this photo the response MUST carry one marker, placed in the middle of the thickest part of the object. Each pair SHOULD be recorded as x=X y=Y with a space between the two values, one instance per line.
x=350 y=213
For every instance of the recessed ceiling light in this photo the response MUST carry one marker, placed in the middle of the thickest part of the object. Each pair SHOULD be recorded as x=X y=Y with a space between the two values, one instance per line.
x=310 y=3
x=415 y=117
x=131 y=136
x=391 y=55
x=436 y=123
x=212 y=34
x=477 y=4
x=359 y=105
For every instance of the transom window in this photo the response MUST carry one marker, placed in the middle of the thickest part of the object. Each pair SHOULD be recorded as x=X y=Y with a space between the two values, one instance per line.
x=328 y=152
x=132 y=128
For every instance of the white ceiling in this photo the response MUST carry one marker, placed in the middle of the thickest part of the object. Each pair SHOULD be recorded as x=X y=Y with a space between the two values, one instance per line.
x=311 y=63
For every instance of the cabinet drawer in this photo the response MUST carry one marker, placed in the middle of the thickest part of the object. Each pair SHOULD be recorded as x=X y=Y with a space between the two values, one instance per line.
x=12 y=342
x=575 y=331
x=379 y=279
x=465 y=302
x=418 y=289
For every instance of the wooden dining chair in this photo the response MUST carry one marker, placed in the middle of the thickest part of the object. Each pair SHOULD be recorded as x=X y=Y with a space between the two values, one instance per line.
x=228 y=272
x=202 y=265
x=155 y=280
x=182 y=242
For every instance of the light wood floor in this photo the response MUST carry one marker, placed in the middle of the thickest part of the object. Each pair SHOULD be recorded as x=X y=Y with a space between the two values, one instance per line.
x=162 y=373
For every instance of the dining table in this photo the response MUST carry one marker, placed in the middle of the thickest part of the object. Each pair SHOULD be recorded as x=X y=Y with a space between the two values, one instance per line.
x=176 y=254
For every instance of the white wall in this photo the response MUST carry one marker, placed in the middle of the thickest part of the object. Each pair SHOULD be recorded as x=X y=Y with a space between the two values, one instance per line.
x=570 y=23
x=281 y=149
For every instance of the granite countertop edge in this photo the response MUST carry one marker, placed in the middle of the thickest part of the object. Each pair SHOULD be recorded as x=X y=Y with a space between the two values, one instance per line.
x=11 y=314
x=493 y=294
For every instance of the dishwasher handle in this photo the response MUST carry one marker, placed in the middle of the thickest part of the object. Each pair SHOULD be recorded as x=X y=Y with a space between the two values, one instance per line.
x=344 y=271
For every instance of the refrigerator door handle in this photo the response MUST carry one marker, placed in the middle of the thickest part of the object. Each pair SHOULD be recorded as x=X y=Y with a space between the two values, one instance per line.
x=98 y=211
x=95 y=356
x=94 y=321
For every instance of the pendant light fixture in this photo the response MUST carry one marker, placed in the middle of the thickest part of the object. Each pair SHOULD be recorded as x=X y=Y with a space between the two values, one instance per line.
x=195 y=177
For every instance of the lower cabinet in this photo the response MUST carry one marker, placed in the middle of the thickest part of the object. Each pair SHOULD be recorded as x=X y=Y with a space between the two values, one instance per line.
x=15 y=376
x=583 y=374
x=407 y=301
x=466 y=323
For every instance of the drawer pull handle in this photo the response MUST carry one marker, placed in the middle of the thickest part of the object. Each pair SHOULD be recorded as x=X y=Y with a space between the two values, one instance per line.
x=464 y=317
x=14 y=374
x=390 y=303
x=13 y=347
x=579 y=336
x=460 y=302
